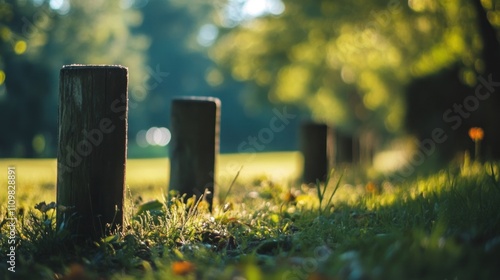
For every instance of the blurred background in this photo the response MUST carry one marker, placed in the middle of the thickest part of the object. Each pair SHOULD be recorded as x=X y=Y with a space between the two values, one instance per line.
x=392 y=70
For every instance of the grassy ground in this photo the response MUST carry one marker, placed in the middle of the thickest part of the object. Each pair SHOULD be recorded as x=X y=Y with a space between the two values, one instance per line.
x=443 y=226
x=148 y=178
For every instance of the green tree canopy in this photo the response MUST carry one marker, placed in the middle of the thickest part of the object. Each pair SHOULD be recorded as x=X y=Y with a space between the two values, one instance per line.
x=36 y=39
x=348 y=62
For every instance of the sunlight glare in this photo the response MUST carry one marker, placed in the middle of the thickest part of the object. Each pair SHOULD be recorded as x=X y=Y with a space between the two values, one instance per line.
x=256 y=8
x=61 y=6
x=238 y=11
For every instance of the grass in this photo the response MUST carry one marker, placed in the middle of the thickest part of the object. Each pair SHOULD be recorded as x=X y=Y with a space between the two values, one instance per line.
x=442 y=226
x=148 y=178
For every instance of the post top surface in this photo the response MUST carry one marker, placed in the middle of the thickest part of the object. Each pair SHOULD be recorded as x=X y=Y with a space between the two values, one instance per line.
x=312 y=123
x=90 y=66
x=197 y=99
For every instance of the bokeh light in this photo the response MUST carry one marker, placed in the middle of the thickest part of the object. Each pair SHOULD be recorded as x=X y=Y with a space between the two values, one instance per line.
x=207 y=35
x=20 y=47
x=154 y=136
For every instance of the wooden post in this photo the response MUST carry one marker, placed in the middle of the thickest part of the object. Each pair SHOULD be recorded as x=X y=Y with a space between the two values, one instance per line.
x=367 y=145
x=316 y=148
x=194 y=145
x=347 y=149
x=92 y=148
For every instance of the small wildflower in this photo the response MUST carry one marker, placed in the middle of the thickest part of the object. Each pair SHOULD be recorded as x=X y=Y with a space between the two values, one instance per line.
x=182 y=268
x=476 y=134
x=371 y=188
x=44 y=207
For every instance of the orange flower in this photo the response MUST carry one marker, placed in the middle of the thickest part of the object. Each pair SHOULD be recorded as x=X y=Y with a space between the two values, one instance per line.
x=371 y=187
x=182 y=268
x=476 y=134
x=76 y=271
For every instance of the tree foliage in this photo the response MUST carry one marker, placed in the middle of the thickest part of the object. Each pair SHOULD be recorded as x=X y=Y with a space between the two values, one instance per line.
x=352 y=64
x=36 y=40
x=348 y=62
x=159 y=41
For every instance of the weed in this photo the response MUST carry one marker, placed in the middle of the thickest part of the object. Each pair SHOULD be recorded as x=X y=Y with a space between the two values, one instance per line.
x=321 y=194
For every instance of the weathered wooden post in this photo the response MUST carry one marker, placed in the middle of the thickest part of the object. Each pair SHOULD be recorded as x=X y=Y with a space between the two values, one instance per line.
x=194 y=145
x=92 y=148
x=367 y=145
x=347 y=149
x=316 y=148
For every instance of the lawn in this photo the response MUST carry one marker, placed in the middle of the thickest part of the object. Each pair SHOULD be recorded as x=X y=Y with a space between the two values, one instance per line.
x=148 y=178
x=441 y=226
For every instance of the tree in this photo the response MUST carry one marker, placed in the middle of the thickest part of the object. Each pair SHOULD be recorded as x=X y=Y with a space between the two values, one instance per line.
x=37 y=39
x=348 y=62
x=463 y=94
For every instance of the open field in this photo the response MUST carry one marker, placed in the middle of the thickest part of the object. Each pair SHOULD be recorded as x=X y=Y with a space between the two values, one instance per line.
x=36 y=178
x=442 y=226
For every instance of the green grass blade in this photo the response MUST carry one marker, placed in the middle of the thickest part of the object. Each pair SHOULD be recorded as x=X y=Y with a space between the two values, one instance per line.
x=334 y=190
x=231 y=185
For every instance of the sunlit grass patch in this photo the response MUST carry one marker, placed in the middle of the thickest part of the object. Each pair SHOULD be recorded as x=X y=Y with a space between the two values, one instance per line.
x=275 y=166
x=35 y=180
x=147 y=178
x=437 y=226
